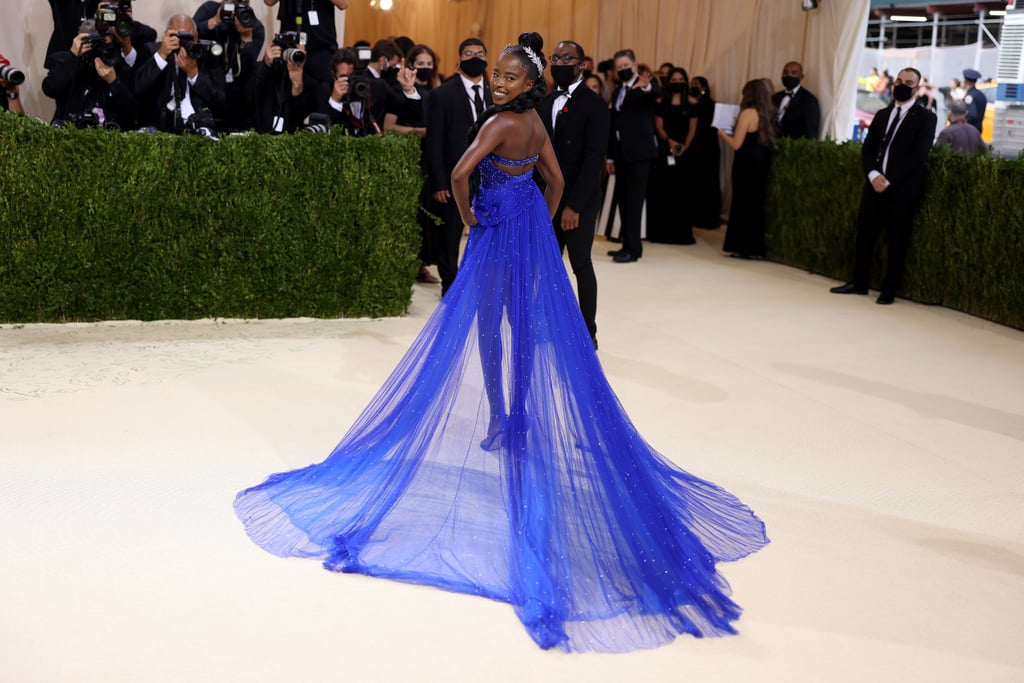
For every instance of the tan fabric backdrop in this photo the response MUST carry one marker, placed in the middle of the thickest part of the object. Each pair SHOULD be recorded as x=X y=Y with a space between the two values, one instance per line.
x=727 y=41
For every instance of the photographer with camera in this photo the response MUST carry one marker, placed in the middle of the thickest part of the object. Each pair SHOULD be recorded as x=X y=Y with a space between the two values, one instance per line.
x=10 y=79
x=182 y=84
x=281 y=90
x=315 y=18
x=68 y=16
x=233 y=24
x=91 y=82
x=346 y=99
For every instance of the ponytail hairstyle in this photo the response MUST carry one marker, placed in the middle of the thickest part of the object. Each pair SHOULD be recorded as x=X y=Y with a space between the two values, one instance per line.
x=529 y=53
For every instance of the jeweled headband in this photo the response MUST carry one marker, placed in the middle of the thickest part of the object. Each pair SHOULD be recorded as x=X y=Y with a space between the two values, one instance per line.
x=531 y=54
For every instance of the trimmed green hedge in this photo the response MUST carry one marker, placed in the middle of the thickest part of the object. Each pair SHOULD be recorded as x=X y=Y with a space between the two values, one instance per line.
x=967 y=251
x=103 y=226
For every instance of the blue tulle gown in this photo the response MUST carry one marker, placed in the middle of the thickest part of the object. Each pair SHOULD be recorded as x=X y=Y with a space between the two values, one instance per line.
x=496 y=460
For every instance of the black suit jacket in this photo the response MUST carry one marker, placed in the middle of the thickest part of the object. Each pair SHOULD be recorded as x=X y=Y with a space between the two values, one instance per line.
x=449 y=113
x=632 y=136
x=803 y=115
x=77 y=88
x=580 y=141
x=153 y=89
x=908 y=151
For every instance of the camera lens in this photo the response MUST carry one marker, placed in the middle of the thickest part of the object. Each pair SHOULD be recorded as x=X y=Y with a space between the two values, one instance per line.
x=12 y=75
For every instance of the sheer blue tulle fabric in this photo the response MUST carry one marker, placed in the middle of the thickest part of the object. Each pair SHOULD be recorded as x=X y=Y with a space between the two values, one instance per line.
x=496 y=460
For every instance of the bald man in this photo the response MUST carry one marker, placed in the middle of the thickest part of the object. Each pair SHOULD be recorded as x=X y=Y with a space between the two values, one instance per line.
x=797 y=114
x=176 y=90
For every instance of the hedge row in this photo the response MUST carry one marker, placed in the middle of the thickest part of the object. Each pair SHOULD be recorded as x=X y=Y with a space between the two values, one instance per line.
x=99 y=226
x=968 y=240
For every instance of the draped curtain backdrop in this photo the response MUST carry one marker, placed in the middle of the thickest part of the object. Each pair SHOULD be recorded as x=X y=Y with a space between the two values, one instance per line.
x=727 y=41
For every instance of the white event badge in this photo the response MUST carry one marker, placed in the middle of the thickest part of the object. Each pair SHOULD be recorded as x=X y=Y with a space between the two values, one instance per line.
x=314 y=18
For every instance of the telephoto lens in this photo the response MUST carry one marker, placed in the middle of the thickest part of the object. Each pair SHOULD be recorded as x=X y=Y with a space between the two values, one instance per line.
x=12 y=75
x=294 y=56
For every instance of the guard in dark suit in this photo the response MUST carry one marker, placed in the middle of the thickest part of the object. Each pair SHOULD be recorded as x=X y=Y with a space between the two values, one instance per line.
x=797 y=114
x=895 y=158
x=974 y=99
x=172 y=86
x=633 y=147
x=578 y=121
x=451 y=109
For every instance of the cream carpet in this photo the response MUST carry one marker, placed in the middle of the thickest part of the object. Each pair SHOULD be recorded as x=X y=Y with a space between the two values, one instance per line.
x=883 y=447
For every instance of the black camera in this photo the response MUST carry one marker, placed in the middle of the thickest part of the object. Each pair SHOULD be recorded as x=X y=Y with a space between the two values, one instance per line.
x=108 y=52
x=240 y=9
x=195 y=48
x=358 y=86
x=12 y=75
x=115 y=15
x=202 y=123
x=290 y=42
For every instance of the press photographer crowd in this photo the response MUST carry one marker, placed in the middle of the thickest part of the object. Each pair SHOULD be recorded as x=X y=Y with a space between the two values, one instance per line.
x=218 y=72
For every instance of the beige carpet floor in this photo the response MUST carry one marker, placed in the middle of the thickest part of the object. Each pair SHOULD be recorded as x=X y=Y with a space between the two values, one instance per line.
x=883 y=447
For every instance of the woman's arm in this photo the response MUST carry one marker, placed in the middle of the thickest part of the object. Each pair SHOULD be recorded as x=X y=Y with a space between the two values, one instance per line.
x=690 y=134
x=494 y=131
x=743 y=125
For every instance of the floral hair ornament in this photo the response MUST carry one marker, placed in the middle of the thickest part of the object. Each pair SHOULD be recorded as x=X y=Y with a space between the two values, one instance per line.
x=531 y=54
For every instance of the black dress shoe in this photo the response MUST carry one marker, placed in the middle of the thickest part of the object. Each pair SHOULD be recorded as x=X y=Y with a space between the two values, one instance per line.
x=849 y=288
x=625 y=257
x=615 y=252
x=885 y=298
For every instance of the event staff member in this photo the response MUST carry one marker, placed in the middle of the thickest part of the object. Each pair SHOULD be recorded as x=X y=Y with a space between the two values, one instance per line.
x=974 y=99
x=577 y=120
x=452 y=109
x=632 y=149
x=894 y=157
x=797 y=112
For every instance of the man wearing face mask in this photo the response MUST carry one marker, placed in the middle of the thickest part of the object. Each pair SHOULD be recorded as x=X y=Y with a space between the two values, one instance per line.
x=577 y=120
x=452 y=108
x=797 y=114
x=894 y=157
x=633 y=146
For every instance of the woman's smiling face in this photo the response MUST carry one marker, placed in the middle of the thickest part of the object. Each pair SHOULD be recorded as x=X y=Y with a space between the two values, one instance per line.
x=509 y=79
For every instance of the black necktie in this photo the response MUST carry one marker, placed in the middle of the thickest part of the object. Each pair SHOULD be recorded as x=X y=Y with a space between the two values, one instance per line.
x=478 y=101
x=888 y=138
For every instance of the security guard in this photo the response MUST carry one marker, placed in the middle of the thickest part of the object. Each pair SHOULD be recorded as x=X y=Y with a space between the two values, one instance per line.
x=974 y=99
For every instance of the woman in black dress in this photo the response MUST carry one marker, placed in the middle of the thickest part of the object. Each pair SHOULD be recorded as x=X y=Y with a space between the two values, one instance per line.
x=668 y=217
x=754 y=129
x=703 y=160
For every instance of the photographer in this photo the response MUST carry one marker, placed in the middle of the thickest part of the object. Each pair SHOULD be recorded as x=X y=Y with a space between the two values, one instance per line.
x=91 y=82
x=10 y=79
x=68 y=15
x=345 y=100
x=234 y=25
x=181 y=87
x=280 y=88
x=315 y=18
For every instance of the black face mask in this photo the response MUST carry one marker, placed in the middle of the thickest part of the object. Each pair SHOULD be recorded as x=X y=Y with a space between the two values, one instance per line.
x=473 y=67
x=902 y=92
x=790 y=82
x=563 y=74
x=677 y=87
x=425 y=75
x=625 y=75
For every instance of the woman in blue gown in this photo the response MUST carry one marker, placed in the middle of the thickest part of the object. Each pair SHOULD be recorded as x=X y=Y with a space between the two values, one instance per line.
x=496 y=460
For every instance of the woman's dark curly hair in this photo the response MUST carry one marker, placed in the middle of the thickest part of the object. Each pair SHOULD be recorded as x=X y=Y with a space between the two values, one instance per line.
x=527 y=100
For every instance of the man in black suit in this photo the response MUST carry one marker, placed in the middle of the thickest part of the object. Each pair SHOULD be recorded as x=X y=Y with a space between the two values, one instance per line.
x=632 y=148
x=797 y=114
x=173 y=87
x=578 y=121
x=452 y=109
x=895 y=157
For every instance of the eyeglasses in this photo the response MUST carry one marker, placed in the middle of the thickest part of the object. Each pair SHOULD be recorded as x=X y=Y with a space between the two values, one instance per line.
x=480 y=54
x=563 y=59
